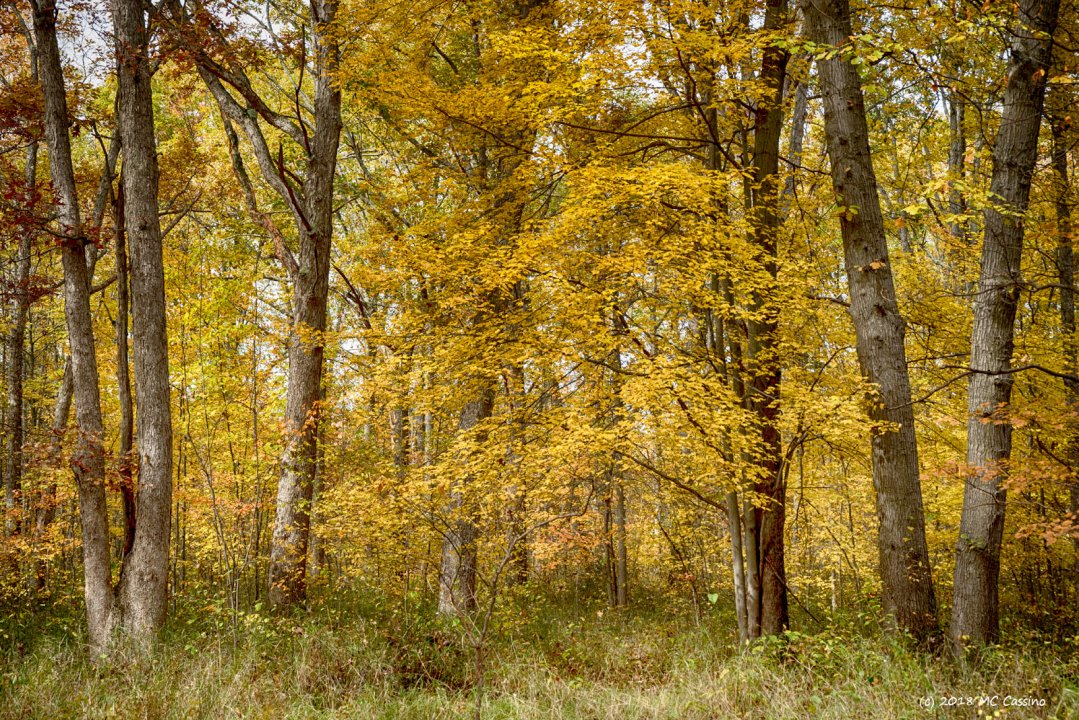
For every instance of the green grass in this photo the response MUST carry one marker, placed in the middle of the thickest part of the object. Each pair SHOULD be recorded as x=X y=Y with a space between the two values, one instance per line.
x=365 y=660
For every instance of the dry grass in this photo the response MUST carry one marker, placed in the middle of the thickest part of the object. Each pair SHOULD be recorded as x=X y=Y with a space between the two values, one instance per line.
x=372 y=663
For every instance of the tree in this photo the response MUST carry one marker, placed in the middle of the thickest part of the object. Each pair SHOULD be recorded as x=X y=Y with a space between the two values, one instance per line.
x=879 y=326
x=144 y=582
x=975 y=604
x=88 y=462
x=315 y=131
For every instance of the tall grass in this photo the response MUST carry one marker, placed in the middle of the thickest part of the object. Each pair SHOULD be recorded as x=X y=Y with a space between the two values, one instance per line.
x=352 y=659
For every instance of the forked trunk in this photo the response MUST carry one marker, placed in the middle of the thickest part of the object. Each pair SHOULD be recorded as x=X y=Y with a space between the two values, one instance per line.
x=143 y=583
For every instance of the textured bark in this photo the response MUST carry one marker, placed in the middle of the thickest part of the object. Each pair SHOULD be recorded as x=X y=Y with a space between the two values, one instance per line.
x=457 y=576
x=975 y=606
x=746 y=513
x=738 y=568
x=310 y=289
x=123 y=377
x=762 y=346
x=797 y=139
x=143 y=587
x=311 y=204
x=618 y=521
x=1066 y=277
x=879 y=330
x=88 y=461
x=20 y=307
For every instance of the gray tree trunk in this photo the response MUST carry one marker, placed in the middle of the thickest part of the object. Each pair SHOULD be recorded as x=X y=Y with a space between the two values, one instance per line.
x=619 y=595
x=618 y=521
x=20 y=308
x=879 y=330
x=457 y=576
x=1066 y=277
x=88 y=461
x=311 y=204
x=957 y=153
x=311 y=280
x=975 y=605
x=143 y=587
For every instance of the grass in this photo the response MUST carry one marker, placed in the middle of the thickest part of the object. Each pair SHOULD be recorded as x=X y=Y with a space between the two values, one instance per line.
x=353 y=659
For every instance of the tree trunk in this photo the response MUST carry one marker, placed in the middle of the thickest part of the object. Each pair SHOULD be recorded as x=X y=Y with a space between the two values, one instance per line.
x=797 y=139
x=123 y=377
x=879 y=330
x=311 y=282
x=143 y=587
x=288 y=553
x=457 y=577
x=88 y=462
x=20 y=307
x=975 y=606
x=763 y=326
x=45 y=505
x=617 y=499
x=1066 y=277
x=957 y=153
x=311 y=205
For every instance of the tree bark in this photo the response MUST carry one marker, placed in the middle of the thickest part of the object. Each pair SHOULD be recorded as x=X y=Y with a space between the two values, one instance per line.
x=292 y=523
x=88 y=461
x=457 y=577
x=311 y=204
x=763 y=327
x=619 y=595
x=20 y=307
x=123 y=377
x=957 y=153
x=879 y=329
x=975 y=606
x=143 y=586
x=1066 y=278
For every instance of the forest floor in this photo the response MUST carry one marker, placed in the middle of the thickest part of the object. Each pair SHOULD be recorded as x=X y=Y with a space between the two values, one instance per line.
x=347 y=659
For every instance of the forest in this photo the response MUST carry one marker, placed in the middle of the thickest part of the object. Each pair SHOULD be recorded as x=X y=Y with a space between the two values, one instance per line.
x=675 y=359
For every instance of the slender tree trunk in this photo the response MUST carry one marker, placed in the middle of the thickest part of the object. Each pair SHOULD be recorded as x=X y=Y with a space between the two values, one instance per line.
x=957 y=153
x=88 y=462
x=763 y=361
x=879 y=330
x=123 y=377
x=457 y=577
x=975 y=605
x=797 y=139
x=20 y=308
x=738 y=569
x=516 y=514
x=715 y=344
x=618 y=519
x=306 y=351
x=45 y=505
x=1066 y=276
x=143 y=588
x=617 y=499
x=311 y=203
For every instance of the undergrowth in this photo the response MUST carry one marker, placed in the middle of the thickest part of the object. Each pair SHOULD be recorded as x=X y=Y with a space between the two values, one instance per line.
x=356 y=658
